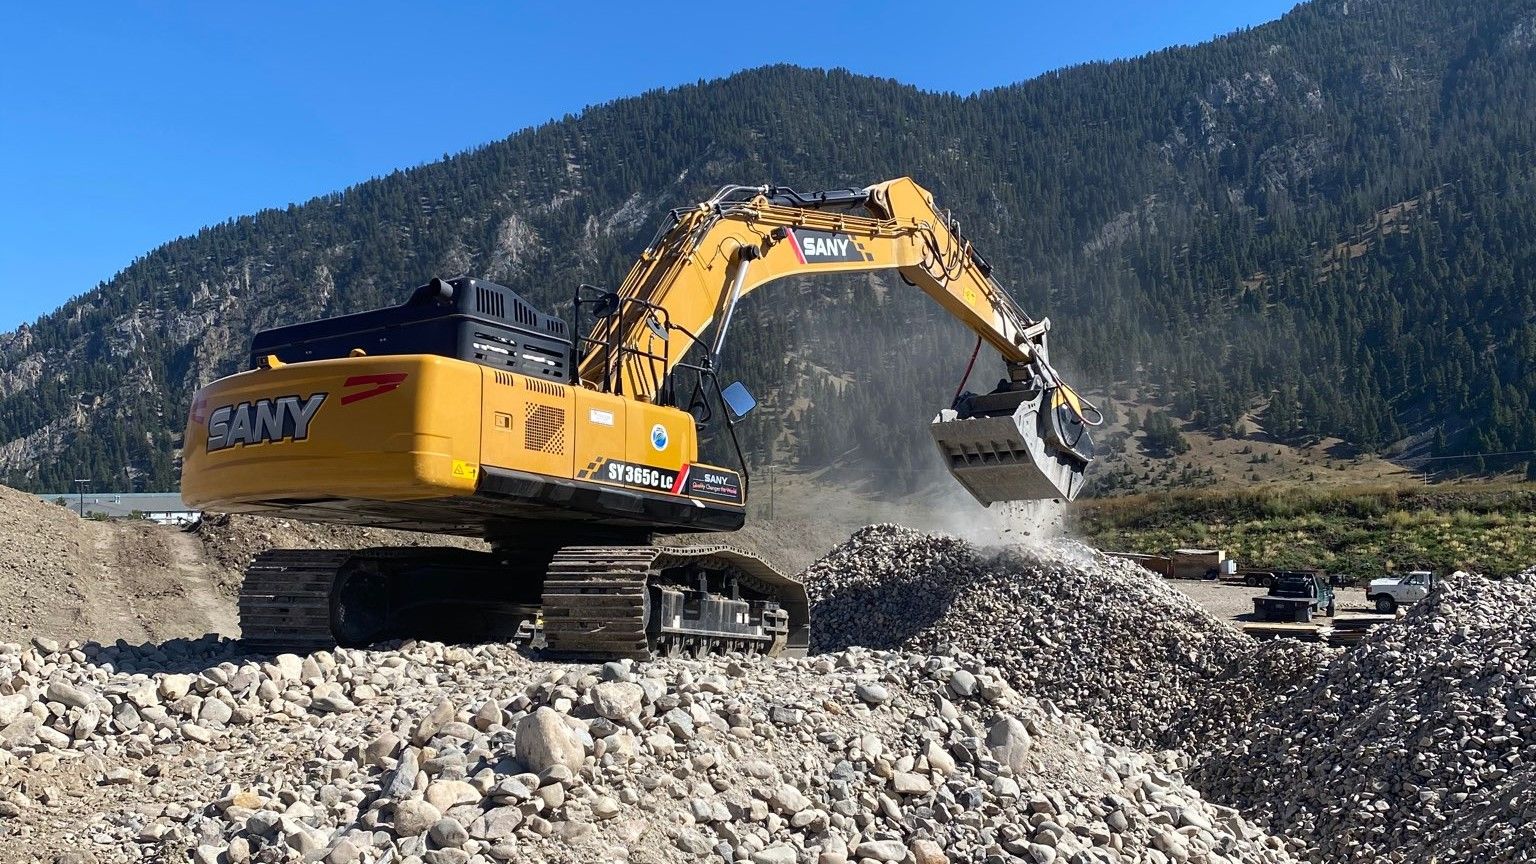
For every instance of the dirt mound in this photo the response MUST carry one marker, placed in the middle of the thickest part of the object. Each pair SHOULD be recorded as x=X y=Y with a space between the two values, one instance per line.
x=1100 y=637
x=233 y=540
x=68 y=578
x=1418 y=745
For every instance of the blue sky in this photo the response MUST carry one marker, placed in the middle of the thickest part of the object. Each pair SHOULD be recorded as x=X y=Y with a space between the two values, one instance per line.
x=126 y=124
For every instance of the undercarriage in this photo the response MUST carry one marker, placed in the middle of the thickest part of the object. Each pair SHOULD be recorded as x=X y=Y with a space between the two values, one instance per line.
x=577 y=602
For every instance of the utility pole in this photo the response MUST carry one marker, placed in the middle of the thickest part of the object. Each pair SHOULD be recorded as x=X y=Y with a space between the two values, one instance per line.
x=80 y=487
x=772 y=473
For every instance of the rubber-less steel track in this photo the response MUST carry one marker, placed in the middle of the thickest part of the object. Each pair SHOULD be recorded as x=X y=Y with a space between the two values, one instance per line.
x=285 y=599
x=595 y=600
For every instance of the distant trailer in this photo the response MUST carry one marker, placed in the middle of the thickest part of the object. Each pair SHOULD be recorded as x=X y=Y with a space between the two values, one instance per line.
x=1282 y=630
x=1201 y=564
x=1184 y=563
x=1162 y=565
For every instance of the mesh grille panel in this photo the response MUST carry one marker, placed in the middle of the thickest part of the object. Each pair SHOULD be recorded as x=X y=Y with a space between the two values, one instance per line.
x=544 y=429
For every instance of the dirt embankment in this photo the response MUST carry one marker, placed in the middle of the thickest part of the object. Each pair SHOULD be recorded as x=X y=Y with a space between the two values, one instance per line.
x=63 y=577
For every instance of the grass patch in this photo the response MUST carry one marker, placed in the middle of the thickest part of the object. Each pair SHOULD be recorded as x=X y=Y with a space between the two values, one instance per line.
x=1358 y=532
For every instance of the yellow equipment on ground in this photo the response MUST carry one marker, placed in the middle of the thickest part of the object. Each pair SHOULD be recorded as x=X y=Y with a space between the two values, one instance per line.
x=467 y=411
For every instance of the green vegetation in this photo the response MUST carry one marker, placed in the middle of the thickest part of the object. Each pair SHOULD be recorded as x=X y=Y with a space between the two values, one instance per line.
x=1162 y=436
x=1331 y=217
x=1359 y=532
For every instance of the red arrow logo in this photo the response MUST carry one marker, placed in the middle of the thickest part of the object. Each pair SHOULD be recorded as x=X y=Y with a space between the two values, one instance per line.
x=382 y=383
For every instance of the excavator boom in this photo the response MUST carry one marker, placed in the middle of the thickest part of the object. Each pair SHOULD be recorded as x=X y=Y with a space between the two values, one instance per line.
x=1028 y=441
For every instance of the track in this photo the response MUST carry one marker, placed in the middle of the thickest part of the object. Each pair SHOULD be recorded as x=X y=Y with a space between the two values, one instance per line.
x=598 y=601
x=594 y=601
x=285 y=599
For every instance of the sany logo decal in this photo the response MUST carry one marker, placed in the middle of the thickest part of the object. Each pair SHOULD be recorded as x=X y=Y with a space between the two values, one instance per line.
x=382 y=383
x=264 y=421
x=825 y=247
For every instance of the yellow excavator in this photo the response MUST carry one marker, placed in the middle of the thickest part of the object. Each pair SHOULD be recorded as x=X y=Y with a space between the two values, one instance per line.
x=467 y=411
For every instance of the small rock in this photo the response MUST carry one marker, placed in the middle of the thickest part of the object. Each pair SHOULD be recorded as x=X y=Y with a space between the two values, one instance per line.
x=874 y=694
x=448 y=832
x=415 y=817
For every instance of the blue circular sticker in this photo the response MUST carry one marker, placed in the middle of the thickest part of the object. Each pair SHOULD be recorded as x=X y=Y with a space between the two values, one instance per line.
x=659 y=437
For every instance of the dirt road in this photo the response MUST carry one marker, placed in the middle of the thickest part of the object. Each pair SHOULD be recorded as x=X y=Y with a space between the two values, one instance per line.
x=1235 y=602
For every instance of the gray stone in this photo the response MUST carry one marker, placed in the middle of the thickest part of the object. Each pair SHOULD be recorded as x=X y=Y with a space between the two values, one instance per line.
x=11 y=707
x=789 y=800
x=1010 y=744
x=67 y=694
x=447 y=794
x=448 y=832
x=215 y=712
x=874 y=694
x=415 y=817
x=344 y=852
x=692 y=842
x=173 y=687
x=619 y=701
x=380 y=748
x=881 y=850
x=332 y=704
x=440 y=715
x=544 y=740
x=778 y=853
x=907 y=783
x=402 y=780
x=604 y=807
x=22 y=730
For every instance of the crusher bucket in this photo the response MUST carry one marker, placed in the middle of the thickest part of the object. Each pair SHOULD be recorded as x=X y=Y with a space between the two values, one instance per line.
x=1016 y=445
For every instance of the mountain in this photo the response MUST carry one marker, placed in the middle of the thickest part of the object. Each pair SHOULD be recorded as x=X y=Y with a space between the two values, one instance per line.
x=1325 y=225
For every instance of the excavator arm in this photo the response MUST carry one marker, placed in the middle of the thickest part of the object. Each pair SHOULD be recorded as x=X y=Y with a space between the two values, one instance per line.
x=1027 y=440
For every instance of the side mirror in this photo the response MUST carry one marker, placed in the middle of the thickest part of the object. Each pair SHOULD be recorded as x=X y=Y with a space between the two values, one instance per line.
x=605 y=305
x=738 y=400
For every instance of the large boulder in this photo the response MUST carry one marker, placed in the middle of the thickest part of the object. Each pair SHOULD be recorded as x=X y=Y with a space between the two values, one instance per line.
x=543 y=741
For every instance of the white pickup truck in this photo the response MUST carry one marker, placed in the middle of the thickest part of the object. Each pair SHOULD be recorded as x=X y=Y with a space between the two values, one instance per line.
x=1394 y=591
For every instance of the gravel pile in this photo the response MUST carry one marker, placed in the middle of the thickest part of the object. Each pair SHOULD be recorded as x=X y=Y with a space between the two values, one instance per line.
x=450 y=755
x=1099 y=637
x=1419 y=745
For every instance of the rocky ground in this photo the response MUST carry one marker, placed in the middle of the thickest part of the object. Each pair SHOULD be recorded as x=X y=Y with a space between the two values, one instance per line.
x=1099 y=636
x=452 y=754
x=962 y=705
x=1418 y=745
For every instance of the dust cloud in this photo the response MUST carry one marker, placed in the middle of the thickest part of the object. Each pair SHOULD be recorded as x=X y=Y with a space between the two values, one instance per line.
x=948 y=508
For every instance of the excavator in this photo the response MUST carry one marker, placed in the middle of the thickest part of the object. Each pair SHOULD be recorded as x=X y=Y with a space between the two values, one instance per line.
x=467 y=411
